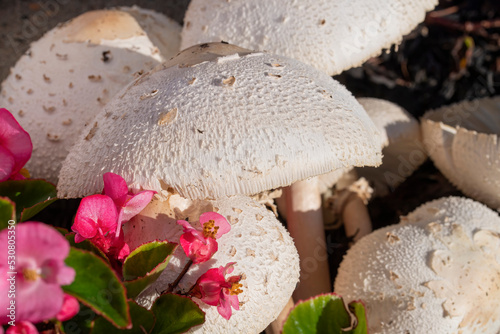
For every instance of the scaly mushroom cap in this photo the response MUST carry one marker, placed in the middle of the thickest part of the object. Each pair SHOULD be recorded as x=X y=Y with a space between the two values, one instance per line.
x=263 y=250
x=438 y=271
x=403 y=151
x=330 y=35
x=68 y=75
x=239 y=123
x=463 y=141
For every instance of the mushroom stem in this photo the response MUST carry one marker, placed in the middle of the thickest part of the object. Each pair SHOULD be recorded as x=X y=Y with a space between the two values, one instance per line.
x=356 y=219
x=305 y=224
x=276 y=326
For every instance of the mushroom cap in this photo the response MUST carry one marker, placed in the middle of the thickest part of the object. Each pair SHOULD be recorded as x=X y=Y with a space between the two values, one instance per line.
x=263 y=250
x=330 y=35
x=463 y=141
x=240 y=123
x=438 y=271
x=402 y=148
x=69 y=74
x=403 y=151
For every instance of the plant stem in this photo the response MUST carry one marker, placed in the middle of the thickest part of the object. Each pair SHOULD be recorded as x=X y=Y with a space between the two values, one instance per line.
x=171 y=286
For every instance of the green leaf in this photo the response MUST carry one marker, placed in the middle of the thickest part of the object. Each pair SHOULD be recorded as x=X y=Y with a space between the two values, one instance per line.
x=31 y=211
x=323 y=314
x=7 y=210
x=176 y=314
x=334 y=318
x=135 y=287
x=27 y=194
x=86 y=245
x=142 y=322
x=148 y=258
x=97 y=286
x=80 y=323
x=358 y=309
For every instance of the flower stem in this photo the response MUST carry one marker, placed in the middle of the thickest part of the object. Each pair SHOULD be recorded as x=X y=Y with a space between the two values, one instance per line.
x=171 y=286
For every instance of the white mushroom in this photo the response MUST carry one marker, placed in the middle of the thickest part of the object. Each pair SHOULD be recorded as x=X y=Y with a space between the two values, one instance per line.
x=438 y=271
x=403 y=149
x=219 y=120
x=68 y=75
x=330 y=35
x=403 y=152
x=463 y=141
x=263 y=251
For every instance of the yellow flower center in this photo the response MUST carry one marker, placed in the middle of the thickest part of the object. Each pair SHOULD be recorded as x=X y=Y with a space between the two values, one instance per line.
x=210 y=230
x=30 y=274
x=236 y=289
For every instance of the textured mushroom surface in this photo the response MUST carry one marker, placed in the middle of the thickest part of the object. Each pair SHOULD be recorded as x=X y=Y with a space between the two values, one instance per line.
x=330 y=35
x=438 y=271
x=402 y=148
x=463 y=141
x=264 y=253
x=239 y=123
x=69 y=74
x=403 y=151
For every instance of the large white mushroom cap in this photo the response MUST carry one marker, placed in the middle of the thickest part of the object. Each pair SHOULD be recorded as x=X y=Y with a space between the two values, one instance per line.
x=234 y=122
x=263 y=250
x=331 y=35
x=438 y=271
x=463 y=141
x=69 y=74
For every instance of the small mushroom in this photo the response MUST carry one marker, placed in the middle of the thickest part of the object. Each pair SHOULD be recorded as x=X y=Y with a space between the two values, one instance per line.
x=74 y=69
x=330 y=35
x=438 y=271
x=263 y=251
x=463 y=141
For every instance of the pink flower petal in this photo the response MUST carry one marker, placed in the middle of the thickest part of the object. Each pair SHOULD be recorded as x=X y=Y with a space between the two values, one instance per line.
x=219 y=221
x=41 y=251
x=22 y=327
x=14 y=139
x=136 y=204
x=224 y=308
x=40 y=242
x=191 y=230
x=7 y=164
x=116 y=188
x=94 y=212
x=69 y=309
x=38 y=301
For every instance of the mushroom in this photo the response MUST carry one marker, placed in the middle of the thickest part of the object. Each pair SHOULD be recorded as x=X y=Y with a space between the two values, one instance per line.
x=462 y=140
x=69 y=74
x=218 y=120
x=264 y=253
x=403 y=149
x=438 y=271
x=330 y=35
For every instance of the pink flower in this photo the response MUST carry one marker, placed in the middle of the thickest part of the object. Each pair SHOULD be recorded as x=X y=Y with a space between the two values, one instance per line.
x=38 y=271
x=214 y=289
x=15 y=147
x=22 y=327
x=199 y=246
x=69 y=309
x=96 y=219
x=127 y=204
